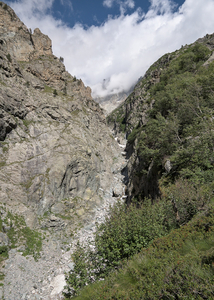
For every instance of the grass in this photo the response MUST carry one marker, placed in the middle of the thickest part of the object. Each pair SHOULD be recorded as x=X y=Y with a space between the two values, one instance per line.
x=2 y=163
x=2 y=276
x=2 y=83
x=27 y=122
x=48 y=89
x=20 y=234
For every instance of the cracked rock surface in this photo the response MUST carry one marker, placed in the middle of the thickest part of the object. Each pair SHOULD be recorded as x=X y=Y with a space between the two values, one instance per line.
x=60 y=166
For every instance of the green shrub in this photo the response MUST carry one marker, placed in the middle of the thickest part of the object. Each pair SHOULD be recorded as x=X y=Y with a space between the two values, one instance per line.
x=55 y=92
x=74 y=281
x=9 y=57
x=125 y=232
x=3 y=253
x=177 y=266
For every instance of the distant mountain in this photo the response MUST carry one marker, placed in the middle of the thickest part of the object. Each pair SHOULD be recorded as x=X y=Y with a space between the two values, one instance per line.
x=111 y=102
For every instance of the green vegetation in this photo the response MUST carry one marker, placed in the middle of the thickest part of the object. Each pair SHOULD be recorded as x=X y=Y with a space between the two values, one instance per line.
x=20 y=234
x=130 y=229
x=2 y=163
x=177 y=266
x=161 y=246
x=5 y=6
x=3 y=83
x=1 y=276
x=153 y=231
x=180 y=123
x=55 y=92
x=26 y=122
x=27 y=84
x=117 y=115
x=9 y=56
x=3 y=253
x=48 y=89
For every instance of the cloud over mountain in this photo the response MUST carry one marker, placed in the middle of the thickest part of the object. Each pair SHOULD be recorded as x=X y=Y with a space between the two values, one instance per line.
x=124 y=46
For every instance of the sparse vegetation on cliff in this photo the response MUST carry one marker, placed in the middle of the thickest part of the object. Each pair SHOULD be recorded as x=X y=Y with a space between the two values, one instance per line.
x=19 y=234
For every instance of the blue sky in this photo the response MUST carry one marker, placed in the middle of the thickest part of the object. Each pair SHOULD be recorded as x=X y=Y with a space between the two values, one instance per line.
x=93 y=12
x=109 y=44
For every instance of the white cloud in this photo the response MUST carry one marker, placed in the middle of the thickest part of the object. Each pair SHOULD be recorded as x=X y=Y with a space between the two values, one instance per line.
x=108 y=3
x=27 y=8
x=122 y=48
x=160 y=6
x=67 y=3
x=123 y=4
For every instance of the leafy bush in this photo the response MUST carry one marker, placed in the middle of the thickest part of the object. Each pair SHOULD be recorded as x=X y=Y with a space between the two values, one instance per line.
x=3 y=252
x=123 y=234
x=9 y=56
x=55 y=92
x=79 y=277
x=177 y=266
x=126 y=232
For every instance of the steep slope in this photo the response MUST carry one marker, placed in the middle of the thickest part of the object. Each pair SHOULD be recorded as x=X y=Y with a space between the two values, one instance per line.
x=60 y=165
x=168 y=120
x=161 y=244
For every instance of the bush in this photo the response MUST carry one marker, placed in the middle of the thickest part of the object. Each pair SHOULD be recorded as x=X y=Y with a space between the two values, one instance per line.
x=177 y=266
x=9 y=57
x=55 y=92
x=3 y=253
x=79 y=277
x=124 y=233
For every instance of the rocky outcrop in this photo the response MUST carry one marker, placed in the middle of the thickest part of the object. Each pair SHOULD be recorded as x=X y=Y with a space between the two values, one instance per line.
x=17 y=41
x=60 y=165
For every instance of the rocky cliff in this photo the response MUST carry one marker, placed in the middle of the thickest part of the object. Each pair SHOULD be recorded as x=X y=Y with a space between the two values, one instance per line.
x=60 y=164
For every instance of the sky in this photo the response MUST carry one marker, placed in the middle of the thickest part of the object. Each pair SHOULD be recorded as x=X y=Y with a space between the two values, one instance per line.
x=110 y=44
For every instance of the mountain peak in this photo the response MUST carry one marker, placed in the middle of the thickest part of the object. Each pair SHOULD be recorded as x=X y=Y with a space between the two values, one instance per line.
x=18 y=40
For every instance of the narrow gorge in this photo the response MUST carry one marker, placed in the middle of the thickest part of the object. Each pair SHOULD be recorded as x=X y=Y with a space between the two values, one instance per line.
x=104 y=207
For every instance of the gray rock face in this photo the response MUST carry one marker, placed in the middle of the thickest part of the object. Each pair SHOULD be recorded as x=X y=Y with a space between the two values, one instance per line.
x=55 y=147
x=59 y=163
x=17 y=40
